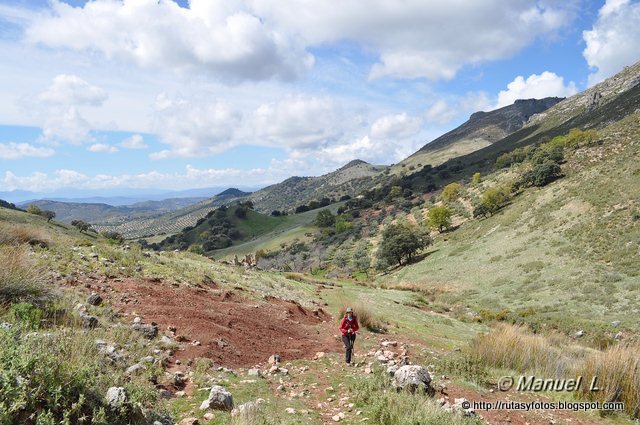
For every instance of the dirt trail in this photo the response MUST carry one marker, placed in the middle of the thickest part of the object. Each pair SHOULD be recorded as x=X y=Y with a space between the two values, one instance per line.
x=220 y=325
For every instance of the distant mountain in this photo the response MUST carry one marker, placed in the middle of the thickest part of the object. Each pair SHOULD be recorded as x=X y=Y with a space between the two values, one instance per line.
x=175 y=220
x=350 y=179
x=104 y=214
x=481 y=130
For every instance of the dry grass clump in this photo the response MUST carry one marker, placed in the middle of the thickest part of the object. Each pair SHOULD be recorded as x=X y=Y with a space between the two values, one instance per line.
x=20 y=279
x=16 y=235
x=618 y=372
x=515 y=348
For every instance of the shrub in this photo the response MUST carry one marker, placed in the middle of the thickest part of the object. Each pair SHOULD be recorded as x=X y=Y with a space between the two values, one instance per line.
x=325 y=218
x=493 y=199
x=28 y=314
x=476 y=179
x=16 y=235
x=34 y=209
x=342 y=224
x=112 y=235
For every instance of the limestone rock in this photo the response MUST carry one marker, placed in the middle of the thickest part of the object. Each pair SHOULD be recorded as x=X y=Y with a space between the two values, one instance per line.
x=413 y=378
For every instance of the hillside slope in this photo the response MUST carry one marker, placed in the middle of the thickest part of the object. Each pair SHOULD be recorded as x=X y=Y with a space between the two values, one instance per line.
x=350 y=180
x=482 y=129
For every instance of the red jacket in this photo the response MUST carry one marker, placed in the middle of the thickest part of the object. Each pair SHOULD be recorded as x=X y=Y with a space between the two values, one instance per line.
x=345 y=325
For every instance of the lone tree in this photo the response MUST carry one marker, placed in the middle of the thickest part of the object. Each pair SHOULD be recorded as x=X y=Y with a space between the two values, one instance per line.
x=401 y=242
x=81 y=225
x=451 y=192
x=325 y=218
x=34 y=209
x=49 y=215
x=439 y=218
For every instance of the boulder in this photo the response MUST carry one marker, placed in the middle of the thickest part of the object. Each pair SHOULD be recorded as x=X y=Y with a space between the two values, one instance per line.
x=134 y=369
x=413 y=378
x=94 y=299
x=116 y=397
x=254 y=372
x=275 y=359
x=219 y=399
x=88 y=321
x=391 y=370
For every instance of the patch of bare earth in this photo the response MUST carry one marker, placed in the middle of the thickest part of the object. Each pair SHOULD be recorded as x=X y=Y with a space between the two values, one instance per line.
x=223 y=326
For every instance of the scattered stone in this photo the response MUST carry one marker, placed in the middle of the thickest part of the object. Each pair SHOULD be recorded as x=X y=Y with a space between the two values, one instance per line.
x=413 y=378
x=290 y=410
x=250 y=409
x=389 y=343
x=180 y=394
x=88 y=321
x=94 y=299
x=149 y=331
x=137 y=320
x=275 y=359
x=618 y=336
x=337 y=418
x=178 y=379
x=615 y=323
x=319 y=355
x=368 y=370
x=274 y=369
x=134 y=369
x=189 y=421
x=458 y=407
x=254 y=372
x=5 y=326
x=391 y=370
x=116 y=397
x=580 y=334
x=219 y=399
x=208 y=416
x=165 y=394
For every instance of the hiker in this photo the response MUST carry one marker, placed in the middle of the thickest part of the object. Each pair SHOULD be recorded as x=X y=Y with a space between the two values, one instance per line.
x=349 y=327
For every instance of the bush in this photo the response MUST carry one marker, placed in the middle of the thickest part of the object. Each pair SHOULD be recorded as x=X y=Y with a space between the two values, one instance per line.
x=112 y=235
x=16 y=235
x=325 y=218
x=542 y=174
x=34 y=209
x=401 y=242
x=20 y=279
x=26 y=313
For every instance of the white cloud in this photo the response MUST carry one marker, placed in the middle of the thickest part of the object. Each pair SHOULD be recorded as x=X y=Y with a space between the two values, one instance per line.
x=418 y=38
x=102 y=148
x=192 y=128
x=398 y=126
x=535 y=86
x=612 y=43
x=440 y=112
x=219 y=37
x=73 y=90
x=134 y=142
x=13 y=150
x=299 y=122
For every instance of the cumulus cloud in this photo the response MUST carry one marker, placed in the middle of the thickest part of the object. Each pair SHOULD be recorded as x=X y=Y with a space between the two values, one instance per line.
x=535 y=86
x=134 y=142
x=299 y=122
x=102 y=148
x=418 y=38
x=398 y=126
x=220 y=37
x=73 y=90
x=612 y=43
x=192 y=128
x=13 y=150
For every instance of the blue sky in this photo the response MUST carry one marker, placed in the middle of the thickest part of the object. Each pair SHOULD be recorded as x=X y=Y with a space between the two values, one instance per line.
x=111 y=95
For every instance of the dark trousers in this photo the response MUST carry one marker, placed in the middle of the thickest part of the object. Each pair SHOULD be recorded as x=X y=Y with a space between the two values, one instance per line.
x=348 y=341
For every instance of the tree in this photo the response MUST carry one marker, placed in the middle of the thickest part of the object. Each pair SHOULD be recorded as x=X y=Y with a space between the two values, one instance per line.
x=477 y=178
x=49 y=215
x=542 y=174
x=325 y=218
x=451 y=192
x=439 y=218
x=276 y=213
x=241 y=212
x=81 y=225
x=400 y=242
x=342 y=224
x=395 y=192
x=340 y=259
x=113 y=235
x=492 y=200
x=361 y=259
x=34 y=209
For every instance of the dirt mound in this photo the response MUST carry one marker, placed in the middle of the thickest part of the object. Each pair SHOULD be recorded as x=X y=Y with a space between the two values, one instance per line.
x=232 y=331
